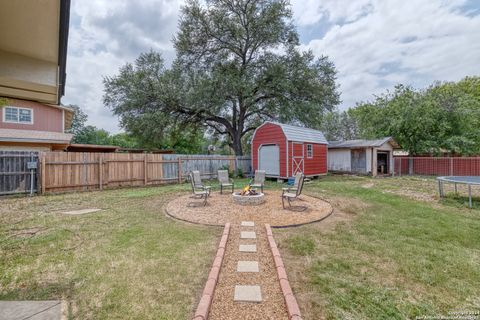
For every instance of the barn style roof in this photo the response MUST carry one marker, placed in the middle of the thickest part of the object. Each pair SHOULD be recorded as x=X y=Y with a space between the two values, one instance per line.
x=294 y=133
x=349 y=144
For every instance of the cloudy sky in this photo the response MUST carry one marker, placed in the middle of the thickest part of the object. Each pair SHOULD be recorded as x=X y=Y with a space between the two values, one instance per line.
x=374 y=44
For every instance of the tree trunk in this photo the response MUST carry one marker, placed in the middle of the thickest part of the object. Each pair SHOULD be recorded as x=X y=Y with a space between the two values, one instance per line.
x=237 y=144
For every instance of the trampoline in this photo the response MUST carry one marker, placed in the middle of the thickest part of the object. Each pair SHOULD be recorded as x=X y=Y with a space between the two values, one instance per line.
x=468 y=180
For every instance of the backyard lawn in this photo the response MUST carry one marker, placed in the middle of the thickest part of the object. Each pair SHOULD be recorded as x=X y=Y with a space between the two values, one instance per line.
x=128 y=261
x=390 y=250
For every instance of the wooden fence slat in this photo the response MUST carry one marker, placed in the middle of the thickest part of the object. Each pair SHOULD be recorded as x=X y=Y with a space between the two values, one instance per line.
x=76 y=171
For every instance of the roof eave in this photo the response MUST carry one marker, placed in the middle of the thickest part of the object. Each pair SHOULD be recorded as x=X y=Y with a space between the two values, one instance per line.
x=62 y=46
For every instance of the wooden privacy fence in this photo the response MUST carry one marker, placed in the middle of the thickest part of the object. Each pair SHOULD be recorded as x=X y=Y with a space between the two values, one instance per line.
x=437 y=166
x=81 y=171
x=18 y=172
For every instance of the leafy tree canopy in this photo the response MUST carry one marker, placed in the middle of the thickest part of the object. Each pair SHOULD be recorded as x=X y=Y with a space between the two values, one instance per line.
x=444 y=117
x=187 y=142
x=237 y=64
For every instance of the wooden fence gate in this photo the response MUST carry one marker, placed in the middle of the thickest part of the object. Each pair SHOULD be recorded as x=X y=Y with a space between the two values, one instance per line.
x=18 y=172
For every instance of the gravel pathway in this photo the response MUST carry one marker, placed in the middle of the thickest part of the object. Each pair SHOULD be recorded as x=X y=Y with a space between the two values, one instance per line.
x=273 y=304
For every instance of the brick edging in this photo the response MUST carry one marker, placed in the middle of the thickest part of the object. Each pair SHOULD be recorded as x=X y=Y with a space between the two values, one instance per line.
x=292 y=305
x=207 y=296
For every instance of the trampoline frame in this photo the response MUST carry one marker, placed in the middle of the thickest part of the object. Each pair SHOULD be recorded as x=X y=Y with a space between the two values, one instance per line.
x=458 y=180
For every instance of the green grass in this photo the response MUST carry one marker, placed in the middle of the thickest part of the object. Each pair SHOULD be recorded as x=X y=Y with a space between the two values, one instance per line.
x=397 y=258
x=127 y=261
x=396 y=253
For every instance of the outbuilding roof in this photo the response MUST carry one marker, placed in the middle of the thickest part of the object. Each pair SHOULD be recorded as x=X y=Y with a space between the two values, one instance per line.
x=360 y=143
x=294 y=133
x=15 y=135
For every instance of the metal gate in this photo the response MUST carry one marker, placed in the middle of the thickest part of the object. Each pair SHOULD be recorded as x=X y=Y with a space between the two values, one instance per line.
x=18 y=172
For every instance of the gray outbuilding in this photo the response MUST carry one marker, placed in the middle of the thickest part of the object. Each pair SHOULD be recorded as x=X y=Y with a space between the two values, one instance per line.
x=373 y=157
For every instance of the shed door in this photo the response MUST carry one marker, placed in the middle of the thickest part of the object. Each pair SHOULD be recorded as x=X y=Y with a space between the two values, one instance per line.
x=298 y=165
x=269 y=159
x=359 y=161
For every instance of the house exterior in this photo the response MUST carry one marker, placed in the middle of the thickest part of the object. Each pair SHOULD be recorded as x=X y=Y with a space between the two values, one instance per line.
x=30 y=125
x=33 y=50
x=284 y=150
x=374 y=157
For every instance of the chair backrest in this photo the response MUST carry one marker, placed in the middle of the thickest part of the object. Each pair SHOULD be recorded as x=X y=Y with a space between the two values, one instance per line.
x=298 y=176
x=223 y=176
x=197 y=180
x=300 y=184
x=192 y=183
x=259 y=177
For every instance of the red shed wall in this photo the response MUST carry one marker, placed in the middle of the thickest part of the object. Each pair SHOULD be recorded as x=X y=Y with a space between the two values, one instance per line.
x=317 y=164
x=312 y=166
x=270 y=133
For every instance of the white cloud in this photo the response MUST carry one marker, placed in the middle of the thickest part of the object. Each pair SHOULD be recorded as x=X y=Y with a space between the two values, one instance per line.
x=104 y=35
x=413 y=42
x=374 y=44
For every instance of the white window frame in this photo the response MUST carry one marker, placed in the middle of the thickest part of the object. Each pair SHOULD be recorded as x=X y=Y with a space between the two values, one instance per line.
x=310 y=153
x=4 y=111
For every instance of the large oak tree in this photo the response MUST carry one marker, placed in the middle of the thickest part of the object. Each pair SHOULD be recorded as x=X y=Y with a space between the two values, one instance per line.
x=237 y=64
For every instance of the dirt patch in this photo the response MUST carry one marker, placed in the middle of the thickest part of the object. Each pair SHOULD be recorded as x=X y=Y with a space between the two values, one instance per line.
x=221 y=209
x=415 y=195
x=368 y=185
x=27 y=232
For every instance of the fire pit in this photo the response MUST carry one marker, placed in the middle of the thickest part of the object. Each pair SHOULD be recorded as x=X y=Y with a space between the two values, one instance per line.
x=248 y=196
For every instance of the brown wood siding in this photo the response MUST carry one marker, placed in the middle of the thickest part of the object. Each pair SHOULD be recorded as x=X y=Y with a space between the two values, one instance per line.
x=45 y=118
x=270 y=133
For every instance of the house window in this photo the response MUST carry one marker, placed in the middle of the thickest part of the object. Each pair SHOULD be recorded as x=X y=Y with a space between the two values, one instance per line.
x=309 y=151
x=18 y=115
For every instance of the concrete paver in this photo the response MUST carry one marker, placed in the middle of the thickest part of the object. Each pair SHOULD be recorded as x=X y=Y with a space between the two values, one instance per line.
x=247 y=266
x=247 y=248
x=32 y=310
x=248 y=294
x=248 y=235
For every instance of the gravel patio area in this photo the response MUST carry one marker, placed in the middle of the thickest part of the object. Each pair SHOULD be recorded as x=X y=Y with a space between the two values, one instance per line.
x=221 y=209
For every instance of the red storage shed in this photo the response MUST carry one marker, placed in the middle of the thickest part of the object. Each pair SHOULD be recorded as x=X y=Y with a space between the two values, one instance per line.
x=283 y=150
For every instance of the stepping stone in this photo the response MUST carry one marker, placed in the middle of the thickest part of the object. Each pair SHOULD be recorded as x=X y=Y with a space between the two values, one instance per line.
x=248 y=235
x=247 y=248
x=247 y=294
x=247 y=266
x=38 y=310
x=247 y=224
x=82 y=211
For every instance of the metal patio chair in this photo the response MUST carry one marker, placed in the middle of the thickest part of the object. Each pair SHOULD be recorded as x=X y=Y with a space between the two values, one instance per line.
x=198 y=184
x=225 y=181
x=294 y=188
x=291 y=194
x=197 y=192
x=258 y=180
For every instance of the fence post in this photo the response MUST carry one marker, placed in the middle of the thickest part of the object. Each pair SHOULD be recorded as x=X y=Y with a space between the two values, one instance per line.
x=451 y=166
x=179 y=170
x=410 y=165
x=100 y=172
x=145 y=168
x=232 y=164
x=42 y=172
